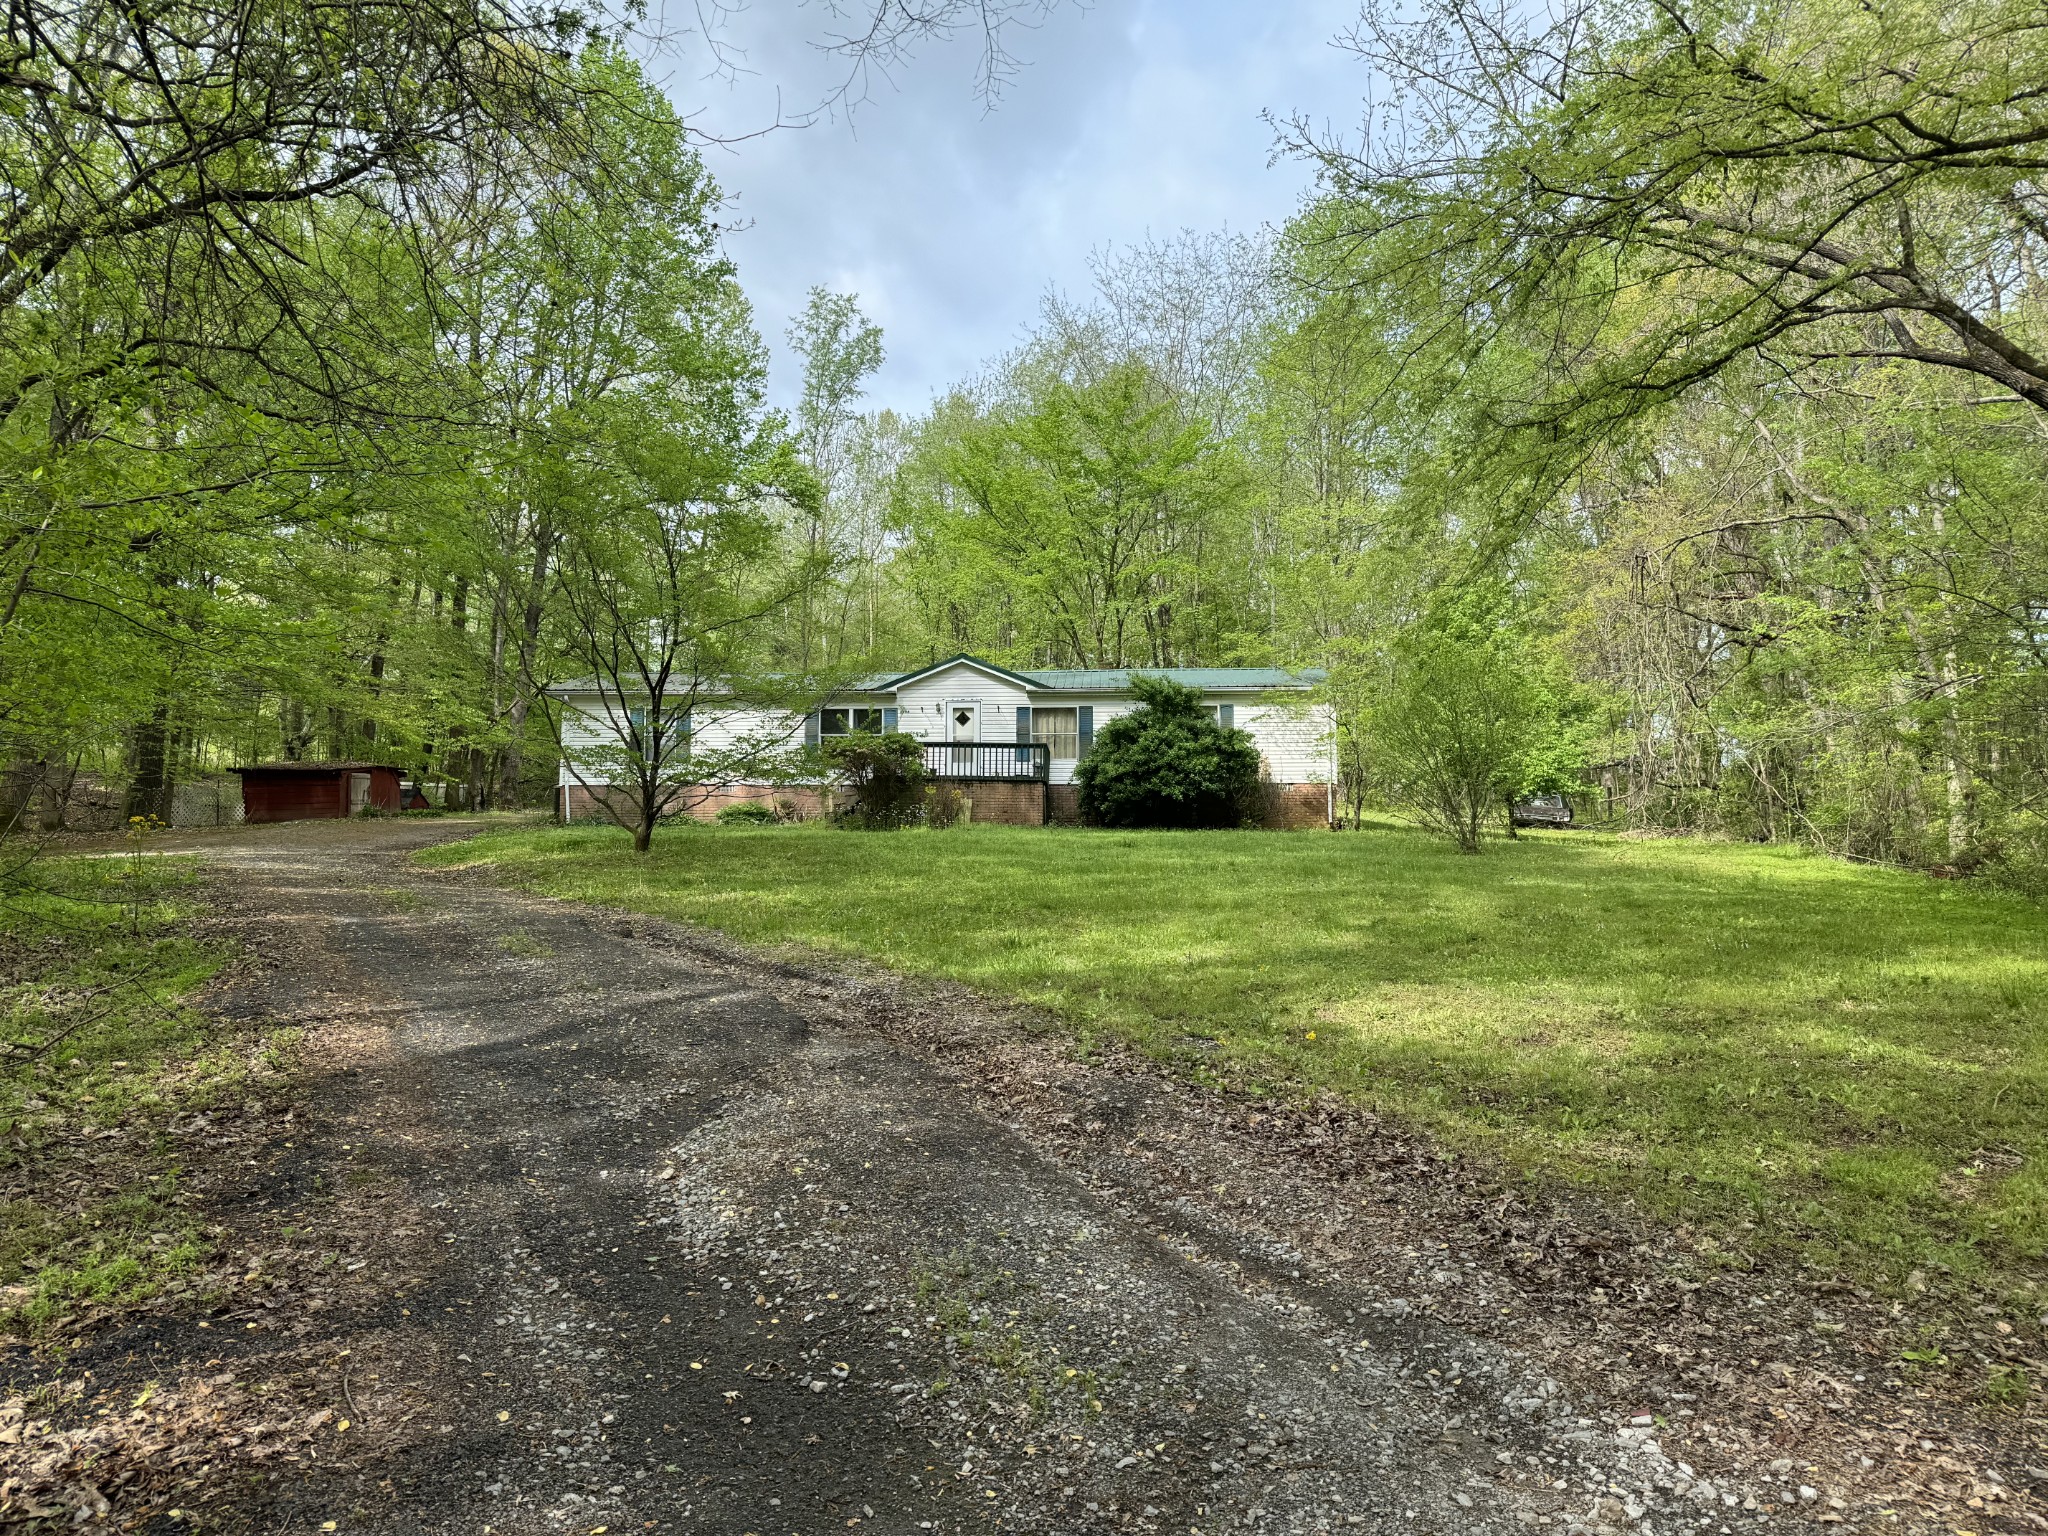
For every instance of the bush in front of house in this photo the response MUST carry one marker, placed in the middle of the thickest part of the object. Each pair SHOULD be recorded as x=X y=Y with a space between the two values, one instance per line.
x=885 y=775
x=1168 y=764
x=747 y=813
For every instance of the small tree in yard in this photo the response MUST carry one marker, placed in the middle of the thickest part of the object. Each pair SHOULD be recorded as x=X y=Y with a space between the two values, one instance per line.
x=1462 y=729
x=1168 y=764
x=885 y=774
x=667 y=594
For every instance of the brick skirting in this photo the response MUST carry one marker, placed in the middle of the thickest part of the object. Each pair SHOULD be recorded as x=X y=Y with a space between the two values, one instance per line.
x=1010 y=802
x=1288 y=807
x=1006 y=802
x=1296 y=807
x=575 y=803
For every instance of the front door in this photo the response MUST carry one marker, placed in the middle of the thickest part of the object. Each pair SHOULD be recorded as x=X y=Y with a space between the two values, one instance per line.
x=963 y=724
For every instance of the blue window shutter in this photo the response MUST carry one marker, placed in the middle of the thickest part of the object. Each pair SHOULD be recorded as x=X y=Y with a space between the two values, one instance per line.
x=1086 y=720
x=1023 y=722
x=811 y=729
x=888 y=717
x=1226 y=716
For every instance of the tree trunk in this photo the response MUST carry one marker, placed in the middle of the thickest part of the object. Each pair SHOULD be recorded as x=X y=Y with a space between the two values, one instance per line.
x=294 y=730
x=149 y=789
x=531 y=615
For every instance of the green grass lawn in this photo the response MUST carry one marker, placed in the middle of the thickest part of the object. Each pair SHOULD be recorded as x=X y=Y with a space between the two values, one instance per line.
x=1852 y=1059
x=98 y=1047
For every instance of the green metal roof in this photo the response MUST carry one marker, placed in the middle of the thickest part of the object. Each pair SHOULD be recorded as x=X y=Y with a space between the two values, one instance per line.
x=1112 y=679
x=1063 y=679
x=1115 y=680
x=1208 y=679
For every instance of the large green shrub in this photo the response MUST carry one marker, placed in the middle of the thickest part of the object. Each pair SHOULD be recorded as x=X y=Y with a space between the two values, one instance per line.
x=1168 y=764
x=885 y=775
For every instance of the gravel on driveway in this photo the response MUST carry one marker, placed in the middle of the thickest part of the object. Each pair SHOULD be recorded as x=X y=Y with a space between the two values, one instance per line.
x=652 y=1234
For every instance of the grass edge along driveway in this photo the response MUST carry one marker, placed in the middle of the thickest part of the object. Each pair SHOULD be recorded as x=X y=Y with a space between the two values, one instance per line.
x=1786 y=1052
x=101 y=1050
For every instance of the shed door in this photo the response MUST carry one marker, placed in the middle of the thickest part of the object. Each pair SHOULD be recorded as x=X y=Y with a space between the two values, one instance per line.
x=358 y=793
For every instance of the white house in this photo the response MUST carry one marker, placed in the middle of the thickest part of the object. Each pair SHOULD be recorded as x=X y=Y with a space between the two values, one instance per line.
x=1011 y=740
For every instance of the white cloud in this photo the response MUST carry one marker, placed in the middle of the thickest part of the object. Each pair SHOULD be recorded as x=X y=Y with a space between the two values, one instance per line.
x=950 y=219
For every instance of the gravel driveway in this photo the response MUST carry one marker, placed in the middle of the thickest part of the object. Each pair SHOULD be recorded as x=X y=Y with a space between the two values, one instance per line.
x=672 y=1241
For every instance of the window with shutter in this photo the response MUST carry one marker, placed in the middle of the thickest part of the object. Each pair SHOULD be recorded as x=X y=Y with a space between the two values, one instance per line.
x=1084 y=729
x=844 y=722
x=1059 y=730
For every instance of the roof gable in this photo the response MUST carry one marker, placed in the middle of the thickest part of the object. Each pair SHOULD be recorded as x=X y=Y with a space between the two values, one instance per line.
x=963 y=660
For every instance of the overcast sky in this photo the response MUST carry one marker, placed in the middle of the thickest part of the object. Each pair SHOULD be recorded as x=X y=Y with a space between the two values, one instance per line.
x=951 y=218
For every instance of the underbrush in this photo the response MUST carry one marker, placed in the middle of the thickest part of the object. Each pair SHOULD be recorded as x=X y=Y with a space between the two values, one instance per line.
x=101 y=1055
x=1781 y=1055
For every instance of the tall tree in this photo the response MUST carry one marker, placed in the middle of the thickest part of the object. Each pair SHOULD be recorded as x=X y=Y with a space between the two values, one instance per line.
x=1650 y=192
x=1066 y=526
x=841 y=349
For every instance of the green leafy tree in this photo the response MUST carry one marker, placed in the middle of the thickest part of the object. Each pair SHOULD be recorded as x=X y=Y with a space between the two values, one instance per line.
x=1067 y=524
x=1460 y=728
x=1633 y=198
x=841 y=349
x=1168 y=763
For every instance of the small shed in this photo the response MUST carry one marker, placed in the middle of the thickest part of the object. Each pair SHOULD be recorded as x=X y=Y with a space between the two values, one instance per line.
x=299 y=791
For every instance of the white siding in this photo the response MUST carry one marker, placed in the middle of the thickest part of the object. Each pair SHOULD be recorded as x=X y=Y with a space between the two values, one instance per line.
x=585 y=724
x=921 y=707
x=1106 y=706
x=1293 y=739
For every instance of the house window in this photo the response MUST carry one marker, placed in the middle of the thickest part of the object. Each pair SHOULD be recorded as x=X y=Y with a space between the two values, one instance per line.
x=1059 y=730
x=675 y=740
x=844 y=722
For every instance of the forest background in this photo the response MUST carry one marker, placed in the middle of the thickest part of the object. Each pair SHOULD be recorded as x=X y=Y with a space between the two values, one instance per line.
x=1668 y=376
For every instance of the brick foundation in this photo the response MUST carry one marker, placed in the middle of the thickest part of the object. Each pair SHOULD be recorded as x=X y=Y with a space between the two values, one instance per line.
x=1287 y=807
x=1005 y=802
x=1295 y=807
x=575 y=803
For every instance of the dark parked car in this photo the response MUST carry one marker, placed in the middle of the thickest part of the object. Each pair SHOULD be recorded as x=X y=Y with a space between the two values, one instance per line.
x=1542 y=811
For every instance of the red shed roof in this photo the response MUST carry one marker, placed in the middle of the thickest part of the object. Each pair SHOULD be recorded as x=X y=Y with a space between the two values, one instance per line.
x=317 y=768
